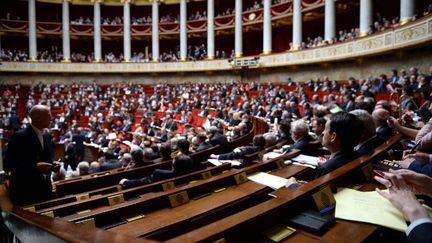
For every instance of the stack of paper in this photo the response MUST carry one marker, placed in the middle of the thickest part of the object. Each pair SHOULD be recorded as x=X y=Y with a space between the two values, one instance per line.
x=266 y=179
x=306 y=160
x=368 y=207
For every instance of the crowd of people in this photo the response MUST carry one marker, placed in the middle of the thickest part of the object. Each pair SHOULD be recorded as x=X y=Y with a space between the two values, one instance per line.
x=348 y=120
x=198 y=52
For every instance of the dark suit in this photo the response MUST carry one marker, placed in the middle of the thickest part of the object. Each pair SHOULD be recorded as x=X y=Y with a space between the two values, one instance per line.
x=204 y=145
x=219 y=139
x=157 y=175
x=79 y=140
x=370 y=145
x=27 y=184
x=110 y=165
x=303 y=144
x=420 y=167
x=339 y=159
x=420 y=233
x=385 y=132
x=239 y=155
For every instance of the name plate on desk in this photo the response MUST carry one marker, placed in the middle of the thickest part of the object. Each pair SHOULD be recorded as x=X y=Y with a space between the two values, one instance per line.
x=206 y=174
x=116 y=199
x=49 y=214
x=82 y=197
x=30 y=209
x=90 y=223
x=241 y=178
x=119 y=188
x=324 y=198
x=168 y=186
x=134 y=218
x=178 y=199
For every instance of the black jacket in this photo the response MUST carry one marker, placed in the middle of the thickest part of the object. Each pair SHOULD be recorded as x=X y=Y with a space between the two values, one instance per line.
x=27 y=184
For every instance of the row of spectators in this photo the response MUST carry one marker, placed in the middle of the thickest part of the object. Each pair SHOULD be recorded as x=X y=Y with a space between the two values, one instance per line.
x=379 y=24
x=197 y=52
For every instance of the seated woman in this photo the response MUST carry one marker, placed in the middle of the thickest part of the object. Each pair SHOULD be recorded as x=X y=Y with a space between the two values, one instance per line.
x=182 y=164
x=239 y=153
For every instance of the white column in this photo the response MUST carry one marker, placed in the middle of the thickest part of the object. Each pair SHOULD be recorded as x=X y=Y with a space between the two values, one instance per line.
x=183 y=31
x=65 y=30
x=126 y=31
x=407 y=11
x=238 y=49
x=330 y=20
x=155 y=31
x=267 y=28
x=32 y=30
x=297 y=25
x=365 y=16
x=210 y=30
x=97 y=32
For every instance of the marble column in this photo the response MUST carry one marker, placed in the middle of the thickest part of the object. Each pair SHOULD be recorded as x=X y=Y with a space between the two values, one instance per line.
x=97 y=32
x=126 y=31
x=32 y=30
x=297 y=25
x=365 y=16
x=330 y=20
x=210 y=30
x=183 y=31
x=238 y=44
x=407 y=11
x=66 y=32
x=155 y=31
x=267 y=28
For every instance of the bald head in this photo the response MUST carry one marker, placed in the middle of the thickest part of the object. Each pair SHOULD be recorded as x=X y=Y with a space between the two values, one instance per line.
x=40 y=116
x=380 y=116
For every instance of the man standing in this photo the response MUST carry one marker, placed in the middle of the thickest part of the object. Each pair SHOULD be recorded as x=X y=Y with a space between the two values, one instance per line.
x=29 y=159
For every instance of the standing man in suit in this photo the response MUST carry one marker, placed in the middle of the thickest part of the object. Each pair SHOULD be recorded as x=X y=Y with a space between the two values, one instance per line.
x=29 y=159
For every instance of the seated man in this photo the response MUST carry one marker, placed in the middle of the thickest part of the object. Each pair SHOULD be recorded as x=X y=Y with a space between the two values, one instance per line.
x=342 y=132
x=380 y=117
x=182 y=164
x=239 y=153
x=300 y=136
x=202 y=144
x=369 y=139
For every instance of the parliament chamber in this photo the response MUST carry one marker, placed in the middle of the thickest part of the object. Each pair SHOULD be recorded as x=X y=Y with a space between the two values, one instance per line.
x=190 y=128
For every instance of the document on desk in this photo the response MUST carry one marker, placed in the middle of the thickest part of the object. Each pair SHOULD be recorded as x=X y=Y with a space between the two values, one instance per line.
x=272 y=155
x=217 y=162
x=266 y=179
x=306 y=159
x=368 y=207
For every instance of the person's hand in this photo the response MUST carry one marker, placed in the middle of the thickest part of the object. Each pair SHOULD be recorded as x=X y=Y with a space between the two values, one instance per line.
x=424 y=157
x=293 y=180
x=55 y=166
x=419 y=183
x=405 y=163
x=392 y=122
x=401 y=196
x=44 y=167
x=122 y=181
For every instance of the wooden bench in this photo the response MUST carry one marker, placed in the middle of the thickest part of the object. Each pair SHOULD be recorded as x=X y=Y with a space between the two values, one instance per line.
x=108 y=216
x=257 y=218
x=128 y=194
x=198 y=212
